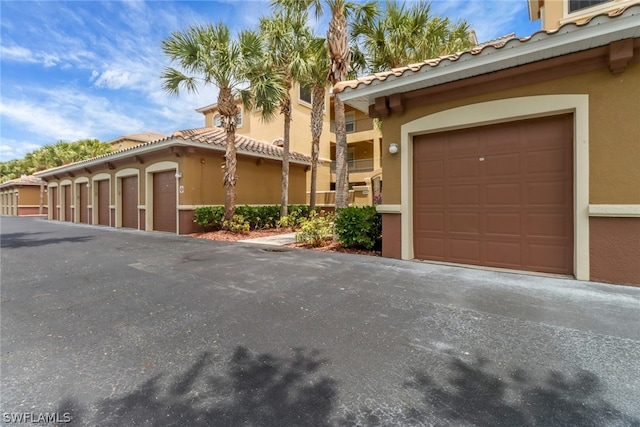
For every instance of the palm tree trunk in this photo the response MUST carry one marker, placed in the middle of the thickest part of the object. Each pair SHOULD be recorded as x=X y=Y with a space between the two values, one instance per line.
x=317 y=107
x=337 y=39
x=284 y=199
x=342 y=167
x=229 y=117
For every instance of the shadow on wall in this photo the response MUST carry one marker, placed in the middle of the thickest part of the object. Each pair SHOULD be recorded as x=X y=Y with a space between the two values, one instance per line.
x=25 y=240
x=266 y=390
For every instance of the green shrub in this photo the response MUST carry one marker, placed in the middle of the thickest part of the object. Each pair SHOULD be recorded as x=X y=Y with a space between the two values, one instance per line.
x=237 y=225
x=209 y=216
x=358 y=227
x=315 y=229
x=258 y=217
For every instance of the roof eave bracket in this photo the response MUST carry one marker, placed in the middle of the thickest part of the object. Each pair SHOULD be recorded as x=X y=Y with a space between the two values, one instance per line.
x=620 y=54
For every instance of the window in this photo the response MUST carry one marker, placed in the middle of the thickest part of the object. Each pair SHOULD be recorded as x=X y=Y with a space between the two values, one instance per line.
x=217 y=120
x=305 y=94
x=576 y=5
x=350 y=122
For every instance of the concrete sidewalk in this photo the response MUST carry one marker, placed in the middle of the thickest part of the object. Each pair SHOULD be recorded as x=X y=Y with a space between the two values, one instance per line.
x=277 y=240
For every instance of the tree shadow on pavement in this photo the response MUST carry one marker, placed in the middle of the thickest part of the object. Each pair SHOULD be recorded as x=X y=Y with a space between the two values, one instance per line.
x=253 y=389
x=473 y=394
x=25 y=240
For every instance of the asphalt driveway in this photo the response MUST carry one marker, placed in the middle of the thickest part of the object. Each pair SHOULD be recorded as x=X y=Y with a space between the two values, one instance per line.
x=112 y=327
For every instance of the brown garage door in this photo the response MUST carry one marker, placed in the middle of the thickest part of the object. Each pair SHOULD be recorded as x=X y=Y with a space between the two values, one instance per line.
x=103 y=202
x=130 y=202
x=54 y=203
x=498 y=195
x=164 y=201
x=83 y=191
x=67 y=203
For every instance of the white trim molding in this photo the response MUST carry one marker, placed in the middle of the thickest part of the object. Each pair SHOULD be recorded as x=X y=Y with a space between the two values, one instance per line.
x=498 y=111
x=621 y=211
x=389 y=209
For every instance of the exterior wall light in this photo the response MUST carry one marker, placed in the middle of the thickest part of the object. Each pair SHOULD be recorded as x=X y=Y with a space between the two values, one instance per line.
x=178 y=175
x=393 y=148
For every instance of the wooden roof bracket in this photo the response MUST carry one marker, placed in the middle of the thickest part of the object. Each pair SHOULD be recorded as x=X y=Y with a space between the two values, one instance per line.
x=620 y=54
x=395 y=103
x=382 y=108
x=110 y=165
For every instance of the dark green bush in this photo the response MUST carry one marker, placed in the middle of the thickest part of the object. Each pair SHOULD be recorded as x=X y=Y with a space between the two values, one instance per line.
x=358 y=227
x=258 y=217
x=209 y=217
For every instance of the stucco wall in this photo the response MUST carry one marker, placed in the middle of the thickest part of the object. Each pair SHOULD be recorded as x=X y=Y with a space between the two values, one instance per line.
x=615 y=250
x=614 y=153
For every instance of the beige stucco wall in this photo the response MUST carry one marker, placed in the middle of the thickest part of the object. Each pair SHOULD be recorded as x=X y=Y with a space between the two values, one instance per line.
x=300 y=137
x=614 y=152
x=259 y=181
x=15 y=199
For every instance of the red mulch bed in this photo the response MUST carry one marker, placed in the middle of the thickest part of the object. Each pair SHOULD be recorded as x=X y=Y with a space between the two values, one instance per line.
x=228 y=236
x=328 y=246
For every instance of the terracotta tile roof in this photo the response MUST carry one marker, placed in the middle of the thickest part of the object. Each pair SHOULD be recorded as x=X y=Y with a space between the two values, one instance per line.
x=217 y=136
x=209 y=136
x=507 y=41
x=143 y=137
x=26 y=180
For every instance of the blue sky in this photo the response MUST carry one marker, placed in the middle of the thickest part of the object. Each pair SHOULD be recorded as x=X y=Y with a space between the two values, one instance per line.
x=88 y=69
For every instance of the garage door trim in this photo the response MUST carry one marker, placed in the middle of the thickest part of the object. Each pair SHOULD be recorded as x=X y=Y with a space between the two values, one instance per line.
x=501 y=111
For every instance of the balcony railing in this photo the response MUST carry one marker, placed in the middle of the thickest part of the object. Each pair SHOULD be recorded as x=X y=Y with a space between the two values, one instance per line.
x=363 y=165
x=352 y=126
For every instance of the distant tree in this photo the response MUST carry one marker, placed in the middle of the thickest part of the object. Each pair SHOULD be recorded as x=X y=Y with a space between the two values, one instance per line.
x=53 y=155
x=403 y=35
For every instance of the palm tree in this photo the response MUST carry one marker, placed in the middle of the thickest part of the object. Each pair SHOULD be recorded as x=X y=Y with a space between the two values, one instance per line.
x=286 y=36
x=210 y=56
x=338 y=48
x=316 y=80
x=402 y=36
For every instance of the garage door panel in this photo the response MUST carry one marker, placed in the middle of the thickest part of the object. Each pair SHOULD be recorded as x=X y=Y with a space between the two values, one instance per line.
x=512 y=209
x=464 y=195
x=502 y=194
x=431 y=221
x=548 y=258
x=463 y=167
x=430 y=170
x=504 y=254
x=464 y=250
x=503 y=224
x=502 y=165
x=432 y=248
x=434 y=196
x=549 y=161
x=547 y=193
x=546 y=225
x=466 y=144
x=464 y=222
